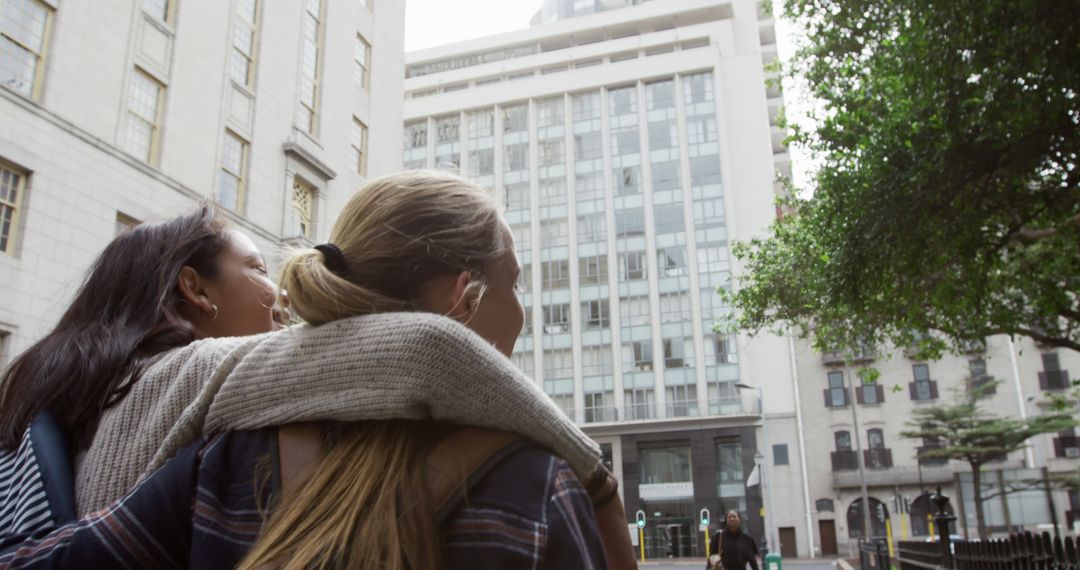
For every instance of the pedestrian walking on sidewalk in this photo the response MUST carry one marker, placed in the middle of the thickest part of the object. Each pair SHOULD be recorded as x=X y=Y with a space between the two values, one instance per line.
x=734 y=548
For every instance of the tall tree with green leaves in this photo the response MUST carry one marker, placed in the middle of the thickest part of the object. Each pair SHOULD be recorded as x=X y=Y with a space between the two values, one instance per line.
x=948 y=194
x=964 y=431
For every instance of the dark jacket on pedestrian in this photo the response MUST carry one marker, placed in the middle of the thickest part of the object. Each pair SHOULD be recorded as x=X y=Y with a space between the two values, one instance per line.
x=736 y=549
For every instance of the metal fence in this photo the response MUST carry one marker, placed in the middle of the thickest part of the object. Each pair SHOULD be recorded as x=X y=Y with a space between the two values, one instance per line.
x=1018 y=552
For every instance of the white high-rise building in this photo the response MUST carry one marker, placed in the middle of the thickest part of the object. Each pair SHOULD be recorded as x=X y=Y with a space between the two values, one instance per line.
x=127 y=110
x=629 y=145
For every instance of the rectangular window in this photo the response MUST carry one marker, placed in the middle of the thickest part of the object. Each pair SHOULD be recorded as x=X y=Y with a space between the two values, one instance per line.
x=593 y=270
x=642 y=354
x=669 y=218
x=362 y=57
x=665 y=465
x=517 y=196
x=871 y=393
x=556 y=318
x=665 y=176
x=242 y=56
x=632 y=266
x=416 y=135
x=634 y=311
x=630 y=222
x=142 y=121
x=672 y=261
x=624 y=141
x=303 y=208
x=591 y=228
x=682 y=401
x=660 y=95
x=549 y=112
x=448 y=129
x=836 y=393
x=697 y=88
x=12 y=189
x=588 y=146
x=678 y=353
x=159 y=9
x=554 y=233
x=627 y=180
x=585 y=106
x=979 y=379
x=640 y=403
x=311 y=59
x=516 y=157
x=595 y=360
x=674 y=307
x=359 y=142
x=522 y=236
x=596 y=314
x=515 y=119
x=725 y=349
x=780 y=454
x=551 y=151
x=921 y=389
x=231 y=183
x=555 y=274
x=481 y=123
x=24 y=25
x=559 y=364
x=622 y=101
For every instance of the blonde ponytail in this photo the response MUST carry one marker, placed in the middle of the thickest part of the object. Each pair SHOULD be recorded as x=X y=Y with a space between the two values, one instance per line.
x=395 y=234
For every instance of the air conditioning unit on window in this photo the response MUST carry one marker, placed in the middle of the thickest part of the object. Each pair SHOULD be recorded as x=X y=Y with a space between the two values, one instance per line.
x=1072 y=452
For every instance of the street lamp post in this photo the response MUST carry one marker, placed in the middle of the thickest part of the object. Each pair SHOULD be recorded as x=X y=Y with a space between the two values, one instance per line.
x=766 y=471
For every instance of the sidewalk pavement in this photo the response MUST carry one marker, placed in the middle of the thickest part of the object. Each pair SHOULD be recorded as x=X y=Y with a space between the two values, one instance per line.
x=839 y=564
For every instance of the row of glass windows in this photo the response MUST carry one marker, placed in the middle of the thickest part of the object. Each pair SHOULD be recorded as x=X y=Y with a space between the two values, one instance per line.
x=23 y=27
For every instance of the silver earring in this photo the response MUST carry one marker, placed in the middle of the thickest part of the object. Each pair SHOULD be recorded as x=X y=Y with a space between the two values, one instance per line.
x=214 y=318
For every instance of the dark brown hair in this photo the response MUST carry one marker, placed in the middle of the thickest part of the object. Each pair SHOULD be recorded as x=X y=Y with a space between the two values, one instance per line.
x=126 y=311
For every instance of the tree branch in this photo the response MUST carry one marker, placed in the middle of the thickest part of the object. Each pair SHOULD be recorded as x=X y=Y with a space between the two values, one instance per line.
x=1028 y=235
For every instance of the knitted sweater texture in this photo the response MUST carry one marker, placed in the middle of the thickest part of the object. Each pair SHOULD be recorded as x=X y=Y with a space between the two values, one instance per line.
x=391 y=365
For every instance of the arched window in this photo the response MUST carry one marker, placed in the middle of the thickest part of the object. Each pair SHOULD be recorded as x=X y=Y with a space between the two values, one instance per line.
x=878 y=515
x=921 y=509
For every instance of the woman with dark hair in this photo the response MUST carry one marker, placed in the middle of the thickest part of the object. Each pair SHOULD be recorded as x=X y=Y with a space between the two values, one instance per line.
x=154 y=288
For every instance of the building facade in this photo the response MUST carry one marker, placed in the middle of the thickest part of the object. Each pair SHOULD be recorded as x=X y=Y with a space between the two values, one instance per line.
x=629 y=145
x=862 y=424
x=117 y=112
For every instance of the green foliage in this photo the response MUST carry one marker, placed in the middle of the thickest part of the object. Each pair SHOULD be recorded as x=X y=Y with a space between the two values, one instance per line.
x=948 y=196
x=965 y=432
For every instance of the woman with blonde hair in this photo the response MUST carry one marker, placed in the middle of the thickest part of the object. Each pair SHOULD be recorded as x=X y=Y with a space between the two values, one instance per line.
x=405 y=246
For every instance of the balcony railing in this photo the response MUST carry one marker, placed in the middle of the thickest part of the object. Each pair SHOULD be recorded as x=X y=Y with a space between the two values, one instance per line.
x=682 y=409
x=640 y=412
x=725 y=406
x=878 y=458
x=930 y=461
x=601 y=414
x=845 y=460
x=1054 y=380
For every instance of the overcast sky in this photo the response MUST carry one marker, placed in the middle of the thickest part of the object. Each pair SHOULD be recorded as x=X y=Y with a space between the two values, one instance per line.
x=430 y=23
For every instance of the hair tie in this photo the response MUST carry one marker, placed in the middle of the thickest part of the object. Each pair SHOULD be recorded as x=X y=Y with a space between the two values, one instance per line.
x=333 y=259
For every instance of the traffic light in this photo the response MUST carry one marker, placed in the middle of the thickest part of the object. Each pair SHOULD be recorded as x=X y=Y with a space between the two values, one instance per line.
x=641 y=519
x=704 y=517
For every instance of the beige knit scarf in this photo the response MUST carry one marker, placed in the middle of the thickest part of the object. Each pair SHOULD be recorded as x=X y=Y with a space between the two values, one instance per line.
x=392 y=365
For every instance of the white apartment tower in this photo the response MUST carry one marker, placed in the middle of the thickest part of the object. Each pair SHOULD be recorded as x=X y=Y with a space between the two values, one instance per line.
x=127 y=110
x=629 y=145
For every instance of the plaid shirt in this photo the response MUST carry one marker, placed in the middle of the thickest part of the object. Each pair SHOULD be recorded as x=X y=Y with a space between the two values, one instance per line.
x=201 y=510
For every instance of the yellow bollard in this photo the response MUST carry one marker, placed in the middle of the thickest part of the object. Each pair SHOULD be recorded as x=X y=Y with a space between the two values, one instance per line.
x=930 y=522
x=889 y=537
x=903 y=526
x=707 y=544
x=641 y=541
